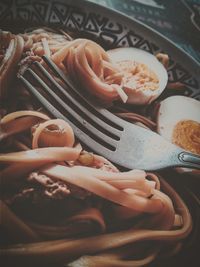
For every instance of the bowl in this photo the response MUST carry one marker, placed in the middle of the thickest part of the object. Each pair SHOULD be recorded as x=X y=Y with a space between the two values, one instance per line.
x=114 y=29
x=110 y=28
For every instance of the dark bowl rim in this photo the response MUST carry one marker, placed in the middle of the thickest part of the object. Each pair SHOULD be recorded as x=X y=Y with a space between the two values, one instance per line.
x=140 y=23
x=177 y=53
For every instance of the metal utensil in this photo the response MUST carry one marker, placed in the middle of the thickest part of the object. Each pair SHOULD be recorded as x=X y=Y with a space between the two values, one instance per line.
x=121 y=142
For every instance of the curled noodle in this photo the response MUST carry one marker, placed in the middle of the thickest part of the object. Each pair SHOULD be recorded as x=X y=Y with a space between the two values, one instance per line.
x=98 y=215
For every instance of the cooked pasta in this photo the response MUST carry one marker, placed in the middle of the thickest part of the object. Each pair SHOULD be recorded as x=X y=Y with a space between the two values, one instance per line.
x=63 y=204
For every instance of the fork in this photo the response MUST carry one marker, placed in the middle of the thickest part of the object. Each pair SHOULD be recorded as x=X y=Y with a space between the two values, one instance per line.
x=125 y=144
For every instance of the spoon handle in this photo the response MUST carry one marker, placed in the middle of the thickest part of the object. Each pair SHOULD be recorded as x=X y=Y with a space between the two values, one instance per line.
x=188 y=159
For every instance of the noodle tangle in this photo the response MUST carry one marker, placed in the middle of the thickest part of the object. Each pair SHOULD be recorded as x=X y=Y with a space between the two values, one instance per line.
x=64 y=204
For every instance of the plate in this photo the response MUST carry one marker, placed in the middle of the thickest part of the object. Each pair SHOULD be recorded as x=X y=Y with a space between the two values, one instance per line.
x=113 y=29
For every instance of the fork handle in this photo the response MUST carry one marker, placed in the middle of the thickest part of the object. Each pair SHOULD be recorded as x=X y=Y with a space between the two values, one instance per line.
x=188 y=159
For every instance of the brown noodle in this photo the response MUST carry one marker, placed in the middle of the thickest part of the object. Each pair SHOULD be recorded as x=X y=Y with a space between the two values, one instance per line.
x=45 y=150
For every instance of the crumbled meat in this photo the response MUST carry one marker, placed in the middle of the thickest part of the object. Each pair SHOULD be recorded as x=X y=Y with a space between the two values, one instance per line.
x=43 y=199
x=34 y=177
x=49 y=188
x=24 y=194
x=56 y=189
x=41 y=188
x=78 y=192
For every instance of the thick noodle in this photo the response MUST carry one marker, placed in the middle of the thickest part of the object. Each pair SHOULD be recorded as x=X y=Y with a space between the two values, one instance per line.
x=97 y=215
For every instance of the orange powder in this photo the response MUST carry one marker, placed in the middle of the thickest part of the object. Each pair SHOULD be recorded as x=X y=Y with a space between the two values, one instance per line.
x=186 y=134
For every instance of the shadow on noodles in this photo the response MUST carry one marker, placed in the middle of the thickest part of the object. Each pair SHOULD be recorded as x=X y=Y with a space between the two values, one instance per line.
x=63 y=204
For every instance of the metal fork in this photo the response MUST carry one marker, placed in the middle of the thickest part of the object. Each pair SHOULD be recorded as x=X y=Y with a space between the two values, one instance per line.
x=119 y=141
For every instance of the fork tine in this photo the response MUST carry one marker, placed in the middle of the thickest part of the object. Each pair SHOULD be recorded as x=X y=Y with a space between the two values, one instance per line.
x=83 y=124
x=82 y=136
x=89 y=116
x=106 y=116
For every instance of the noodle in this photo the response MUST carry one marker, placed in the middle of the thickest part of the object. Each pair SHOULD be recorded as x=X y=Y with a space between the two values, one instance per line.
x=63 y=248
x=20 y=231
x=22 y=113
x=63 y=204
x=67 y=132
